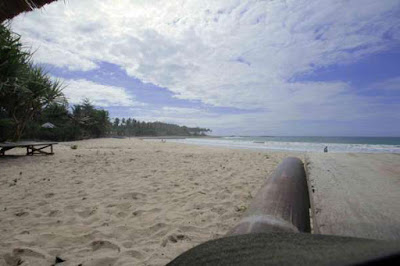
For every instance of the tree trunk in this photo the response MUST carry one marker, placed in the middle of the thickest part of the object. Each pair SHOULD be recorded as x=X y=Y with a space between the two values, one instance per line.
x=20 y=125
x=18 y=132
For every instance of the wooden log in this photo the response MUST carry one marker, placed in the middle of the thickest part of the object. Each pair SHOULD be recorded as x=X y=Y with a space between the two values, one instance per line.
x=282 y=204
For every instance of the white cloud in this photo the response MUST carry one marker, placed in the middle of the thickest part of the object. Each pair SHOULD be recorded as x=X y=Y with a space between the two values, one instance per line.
x=55 y=54
x=184 y=112
x=99 y=95
x=242 y=54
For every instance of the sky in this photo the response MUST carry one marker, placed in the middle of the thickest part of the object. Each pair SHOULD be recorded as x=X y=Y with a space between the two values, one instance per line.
x=272 y=67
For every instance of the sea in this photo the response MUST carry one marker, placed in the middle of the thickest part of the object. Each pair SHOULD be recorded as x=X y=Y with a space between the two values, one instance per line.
x=302 y=144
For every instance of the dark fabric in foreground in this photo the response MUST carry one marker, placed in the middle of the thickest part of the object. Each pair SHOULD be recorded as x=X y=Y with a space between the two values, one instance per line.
x=291 y=249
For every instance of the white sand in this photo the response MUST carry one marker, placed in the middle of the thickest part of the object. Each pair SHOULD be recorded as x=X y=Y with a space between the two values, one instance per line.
x=122 y=202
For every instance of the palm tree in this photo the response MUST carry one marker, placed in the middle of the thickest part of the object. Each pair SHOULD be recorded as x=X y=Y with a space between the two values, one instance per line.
x=25 y=89
x=30 y=97
x=94 y=122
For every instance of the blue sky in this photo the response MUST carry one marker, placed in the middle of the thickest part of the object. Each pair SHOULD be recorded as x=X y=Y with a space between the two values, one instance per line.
x=238 y=67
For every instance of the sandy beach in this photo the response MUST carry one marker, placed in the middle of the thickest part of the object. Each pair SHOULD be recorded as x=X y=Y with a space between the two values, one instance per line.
x=123 y=201
x=144 y=202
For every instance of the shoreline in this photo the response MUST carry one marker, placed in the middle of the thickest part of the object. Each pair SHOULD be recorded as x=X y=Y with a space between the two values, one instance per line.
x=295 y=147
x=258 y=146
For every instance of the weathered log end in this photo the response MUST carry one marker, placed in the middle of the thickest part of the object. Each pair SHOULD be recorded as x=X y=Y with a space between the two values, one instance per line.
x=282 y=204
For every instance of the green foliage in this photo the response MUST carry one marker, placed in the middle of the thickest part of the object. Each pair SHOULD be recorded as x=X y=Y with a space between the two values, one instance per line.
x=13 y=60
x=132 y=127
x=58 y=114
x=6 y=125
x=92 y=121
x=84 y=121
x=25 y=89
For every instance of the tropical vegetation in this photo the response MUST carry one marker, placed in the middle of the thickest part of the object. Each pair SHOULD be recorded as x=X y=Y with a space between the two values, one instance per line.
x=132 y=127
x=33 y=106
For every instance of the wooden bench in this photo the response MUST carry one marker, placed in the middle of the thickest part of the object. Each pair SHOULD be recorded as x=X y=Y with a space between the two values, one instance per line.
x=31 y=147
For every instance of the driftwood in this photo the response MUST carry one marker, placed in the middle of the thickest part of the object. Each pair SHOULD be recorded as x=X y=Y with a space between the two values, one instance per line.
x=282 y=204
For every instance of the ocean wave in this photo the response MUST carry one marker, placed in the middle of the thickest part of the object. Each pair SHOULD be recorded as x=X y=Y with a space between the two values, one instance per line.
x=291 y=146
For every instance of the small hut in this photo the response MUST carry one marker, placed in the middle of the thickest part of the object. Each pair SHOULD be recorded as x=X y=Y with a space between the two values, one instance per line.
x=48 y=125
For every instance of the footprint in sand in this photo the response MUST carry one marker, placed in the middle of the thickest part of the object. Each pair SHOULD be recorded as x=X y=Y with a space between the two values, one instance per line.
x=87 y=212
x=53 y=213
x=134 y=254
x=11 y=260
x=133 y=195
x=122 y=214
x=49 y=195
x=137 y=213
x=104 y=244
x=140 y=212
x=104 y=261
x=21 y=214
x=173 y=238
x=19 y=255
x=219 y=210
x=156 y=227
x=127 y=244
